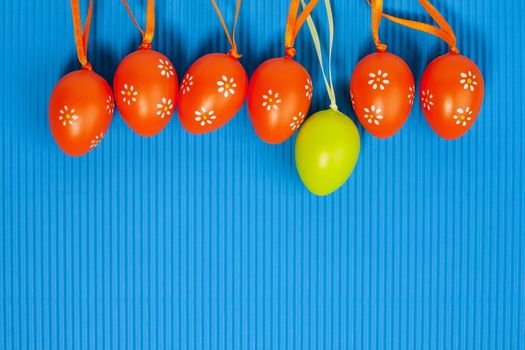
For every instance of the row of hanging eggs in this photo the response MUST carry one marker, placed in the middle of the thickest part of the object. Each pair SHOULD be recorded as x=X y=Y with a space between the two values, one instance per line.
x=215 y=87
x=146 y=92
x=383 y=92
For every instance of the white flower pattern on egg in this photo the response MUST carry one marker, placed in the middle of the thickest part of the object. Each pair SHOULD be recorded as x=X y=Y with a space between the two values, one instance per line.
x=309 y=89
x=378 y=80
x=166 y=69
x=186 y=84
x=411 y=92
x=427 y=99
x=271 y=100
x=373 y=115
x=67 y=115
x=226 y=86
x=164 y=108
x=468 y=80
x=463 y=116
x=94 y=143
x=110 y=105
x=297 y=121
x=129 y=94
x=204 y=117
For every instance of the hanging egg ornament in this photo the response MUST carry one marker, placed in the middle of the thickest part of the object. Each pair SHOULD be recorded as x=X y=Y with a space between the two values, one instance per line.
x=326 y=151
x=327 y=145
x=452 y=86
x=281 y=89
x=279 y=98
x=214 y=88
x=145 y=87
x=80 y=111
x=382 y=86
x=382 y=91
x=81 y=105
x=145 y=83
x=451 y=95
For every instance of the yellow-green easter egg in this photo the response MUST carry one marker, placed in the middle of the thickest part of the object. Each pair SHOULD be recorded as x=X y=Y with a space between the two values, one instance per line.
x=326 y=151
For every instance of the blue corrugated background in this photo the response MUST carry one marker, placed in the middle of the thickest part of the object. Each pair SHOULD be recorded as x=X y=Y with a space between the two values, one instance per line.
x=212 y=242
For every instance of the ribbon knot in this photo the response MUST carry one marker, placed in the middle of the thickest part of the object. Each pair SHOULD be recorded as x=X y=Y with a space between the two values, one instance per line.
x=234 y=54
x=290 y=52
x=382 y=47
x=147 y=35
x=82 y=35
x=294 y=23
x=231 y=37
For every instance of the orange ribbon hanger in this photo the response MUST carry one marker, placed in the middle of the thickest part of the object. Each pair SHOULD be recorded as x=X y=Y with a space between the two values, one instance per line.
x=231 y=37
x=82 y=36
x=443 y=30
x=294 y=23
x=147 y=35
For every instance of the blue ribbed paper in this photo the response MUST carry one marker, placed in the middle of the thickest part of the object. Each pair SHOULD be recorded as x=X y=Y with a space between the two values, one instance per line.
x=212 y=242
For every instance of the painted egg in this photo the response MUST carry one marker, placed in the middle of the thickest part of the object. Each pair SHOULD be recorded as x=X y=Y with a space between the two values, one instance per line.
x=145 y=87
x=326 y=151
x=382 y=91
x=211 y=93
x=451 y=93
x=80 y=111
x=279 y=97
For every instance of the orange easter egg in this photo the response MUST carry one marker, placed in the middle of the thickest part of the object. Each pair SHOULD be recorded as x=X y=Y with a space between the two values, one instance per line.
x=212 y=92
x=80 y=111
x=145 y=87
x=279 y=97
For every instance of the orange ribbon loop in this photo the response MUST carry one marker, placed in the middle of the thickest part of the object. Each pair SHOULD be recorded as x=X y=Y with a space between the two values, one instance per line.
x=147 y=35
x=231 y=37
x=294 y=23
x=82 y=36
x=443 y=30
x=377 y=12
